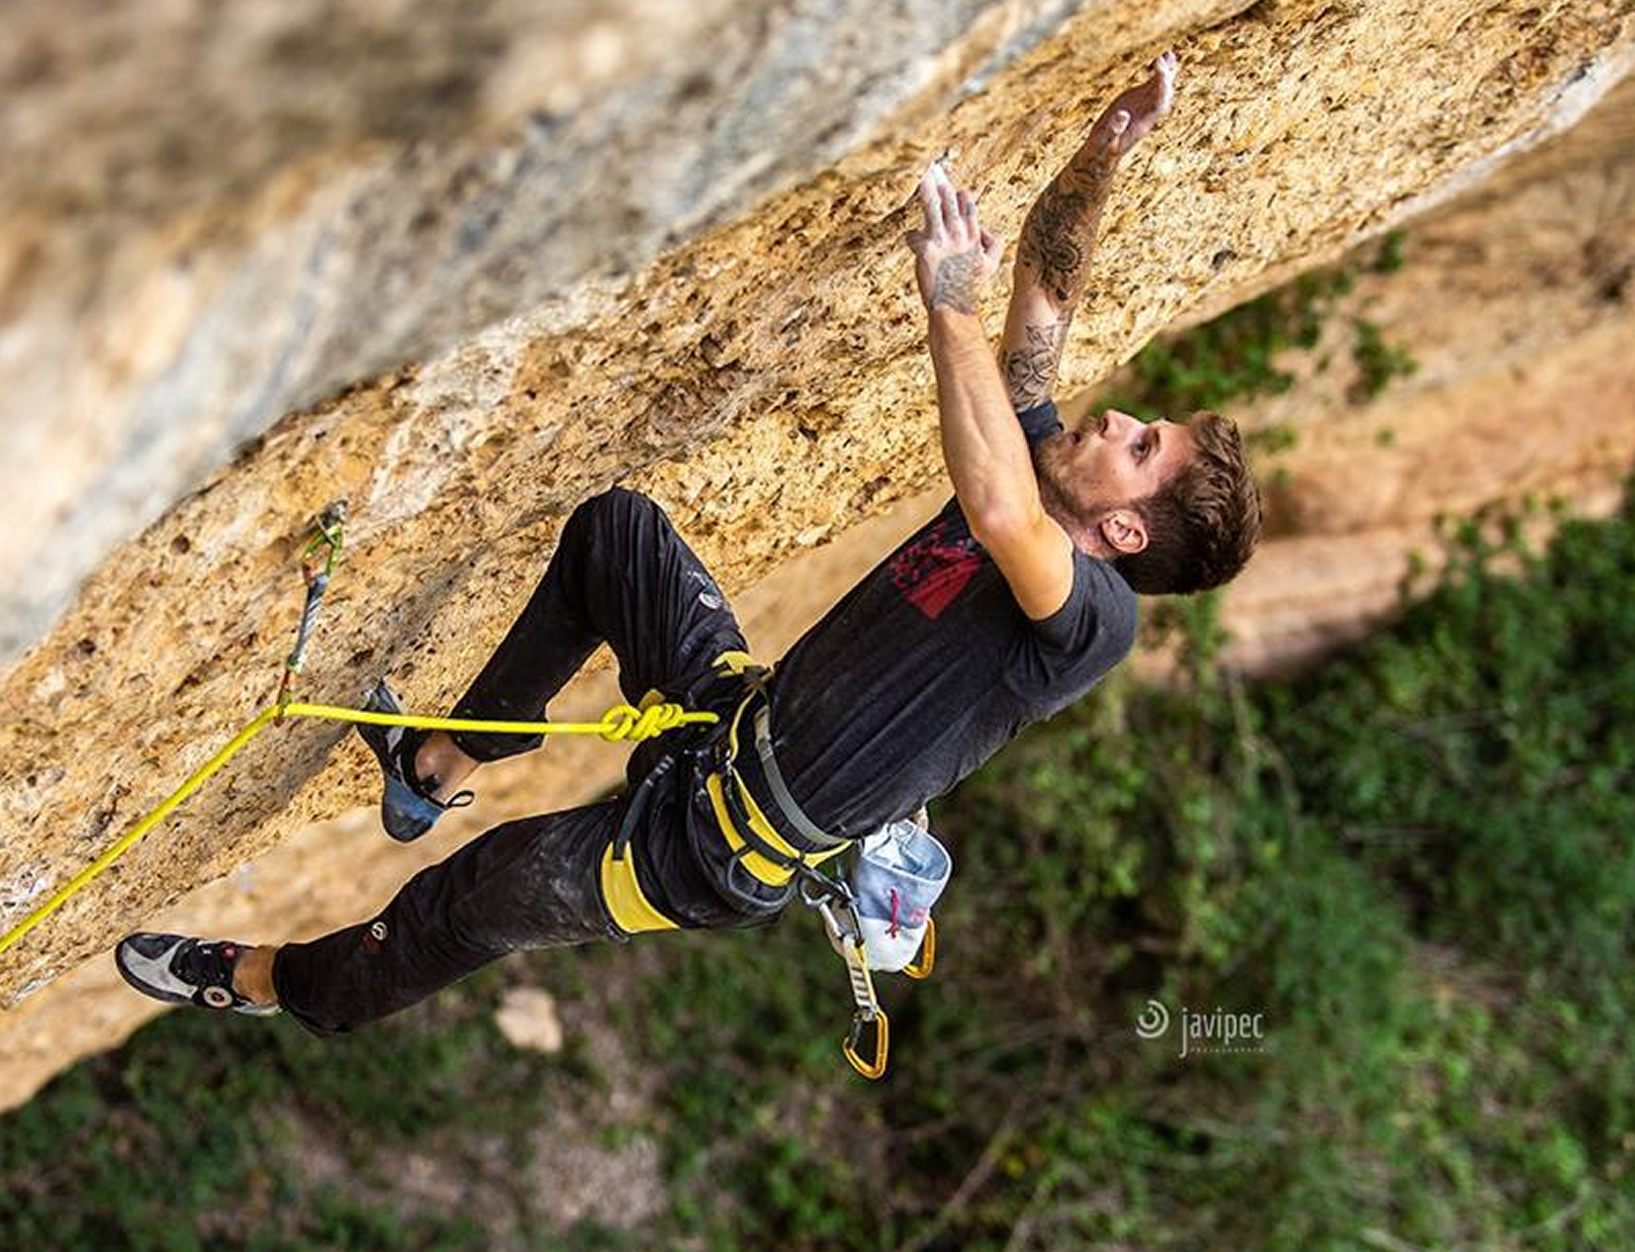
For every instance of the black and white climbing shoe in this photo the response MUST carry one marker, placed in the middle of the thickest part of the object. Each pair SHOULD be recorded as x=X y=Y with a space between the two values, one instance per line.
x=179 y=970
x=407 y=809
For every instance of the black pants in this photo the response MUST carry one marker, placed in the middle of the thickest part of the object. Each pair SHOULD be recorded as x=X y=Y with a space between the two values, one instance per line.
x=621 y=574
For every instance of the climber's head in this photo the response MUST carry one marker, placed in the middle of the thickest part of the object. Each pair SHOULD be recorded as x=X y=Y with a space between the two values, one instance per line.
x=1172 y=505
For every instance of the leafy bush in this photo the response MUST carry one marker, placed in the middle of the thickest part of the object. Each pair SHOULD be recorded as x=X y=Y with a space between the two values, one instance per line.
x=1243 y=353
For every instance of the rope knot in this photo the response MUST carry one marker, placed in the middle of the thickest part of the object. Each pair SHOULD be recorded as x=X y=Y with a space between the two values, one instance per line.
x=625 y=722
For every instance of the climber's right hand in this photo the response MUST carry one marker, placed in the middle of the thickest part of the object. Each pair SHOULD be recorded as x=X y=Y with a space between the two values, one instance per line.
x=955 y=255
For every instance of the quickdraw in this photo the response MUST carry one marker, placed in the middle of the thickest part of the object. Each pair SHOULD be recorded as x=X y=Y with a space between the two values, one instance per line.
x=835 y=905
x=326 y=538
x=835 y=902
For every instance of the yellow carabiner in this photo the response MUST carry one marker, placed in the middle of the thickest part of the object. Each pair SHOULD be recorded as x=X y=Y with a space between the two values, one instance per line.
x=882 y=1042
x=926 y=957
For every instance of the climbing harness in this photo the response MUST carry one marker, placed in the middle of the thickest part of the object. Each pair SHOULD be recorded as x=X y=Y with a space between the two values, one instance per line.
x=878 y=917
x=620 y=723
x=761 y=851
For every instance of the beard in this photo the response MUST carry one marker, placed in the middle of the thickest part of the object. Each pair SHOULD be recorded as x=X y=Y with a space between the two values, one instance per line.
x=1056 y=487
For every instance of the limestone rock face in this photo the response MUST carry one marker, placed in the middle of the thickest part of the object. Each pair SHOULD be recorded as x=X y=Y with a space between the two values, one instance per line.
x=615 y=269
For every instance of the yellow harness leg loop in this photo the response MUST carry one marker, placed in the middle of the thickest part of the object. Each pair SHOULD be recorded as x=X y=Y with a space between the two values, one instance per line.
x=632 y=911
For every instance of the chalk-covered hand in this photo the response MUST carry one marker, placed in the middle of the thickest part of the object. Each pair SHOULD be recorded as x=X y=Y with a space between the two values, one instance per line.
x=1134 y=112
x=954 y=255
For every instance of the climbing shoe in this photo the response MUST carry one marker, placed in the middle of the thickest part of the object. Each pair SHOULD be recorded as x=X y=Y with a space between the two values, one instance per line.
x=179 y=970
x=407 y=809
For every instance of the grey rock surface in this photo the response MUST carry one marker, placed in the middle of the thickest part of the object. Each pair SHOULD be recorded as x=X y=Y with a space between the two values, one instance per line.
x=217 y=214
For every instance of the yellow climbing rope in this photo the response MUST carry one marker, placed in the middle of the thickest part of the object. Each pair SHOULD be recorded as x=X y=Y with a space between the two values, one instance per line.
x=620 y=723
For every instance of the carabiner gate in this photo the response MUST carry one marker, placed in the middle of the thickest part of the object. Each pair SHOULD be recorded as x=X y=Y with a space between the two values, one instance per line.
x=882 y=1042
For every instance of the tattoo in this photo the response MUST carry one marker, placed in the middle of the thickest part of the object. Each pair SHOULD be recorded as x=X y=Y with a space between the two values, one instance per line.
x=1060 y=231
x=957 y=280
x=1030 y=372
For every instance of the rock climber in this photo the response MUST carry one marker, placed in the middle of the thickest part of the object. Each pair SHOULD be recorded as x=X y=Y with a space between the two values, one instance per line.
x=1007 y=606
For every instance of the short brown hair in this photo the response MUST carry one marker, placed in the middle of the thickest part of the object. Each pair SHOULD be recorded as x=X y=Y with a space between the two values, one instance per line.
x=1203 y=523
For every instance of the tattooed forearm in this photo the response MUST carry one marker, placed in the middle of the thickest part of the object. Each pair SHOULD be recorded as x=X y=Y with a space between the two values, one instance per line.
x=1030 y=371
x=1060 y=231
x=958 y=279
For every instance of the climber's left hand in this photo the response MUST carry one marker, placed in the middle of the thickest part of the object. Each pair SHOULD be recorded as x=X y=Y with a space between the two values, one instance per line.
x=1134 y=112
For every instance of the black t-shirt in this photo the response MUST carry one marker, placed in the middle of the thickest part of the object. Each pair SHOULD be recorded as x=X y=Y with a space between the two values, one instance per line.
x=928 y=667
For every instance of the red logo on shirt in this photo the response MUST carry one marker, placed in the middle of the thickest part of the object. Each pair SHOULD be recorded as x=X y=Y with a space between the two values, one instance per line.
x=934 y=569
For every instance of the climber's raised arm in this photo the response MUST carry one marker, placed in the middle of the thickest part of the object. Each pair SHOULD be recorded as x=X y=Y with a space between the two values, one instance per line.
x=1053 y=257
x=984 y=448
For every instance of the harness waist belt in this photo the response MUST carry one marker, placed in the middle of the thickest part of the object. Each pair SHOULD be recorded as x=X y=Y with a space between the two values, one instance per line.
x=759 y=819
x=777 y=790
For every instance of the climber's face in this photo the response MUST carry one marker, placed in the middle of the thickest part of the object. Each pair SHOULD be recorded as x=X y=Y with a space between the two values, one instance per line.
x=1094 y=477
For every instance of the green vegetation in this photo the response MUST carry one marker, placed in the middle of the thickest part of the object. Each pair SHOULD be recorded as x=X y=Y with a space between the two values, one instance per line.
x=1236 y=356
x=1377 y=361
x=1413 y=862
x=1389 y=259
x=208 y=1132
